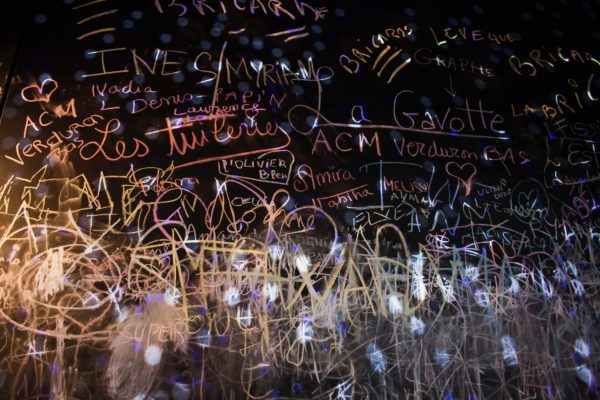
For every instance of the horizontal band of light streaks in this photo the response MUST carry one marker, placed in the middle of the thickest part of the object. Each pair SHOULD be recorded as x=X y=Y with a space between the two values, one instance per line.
x=96 y=32
x=102 y=14
x=94 y=17
x=286 y=32
x=237 y=32
x=87 y=4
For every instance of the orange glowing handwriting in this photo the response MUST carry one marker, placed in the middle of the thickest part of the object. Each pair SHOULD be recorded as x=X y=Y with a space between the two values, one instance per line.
x=261 y=7
x=364 y=54
x=463 y=172
x=120 y=148
x=42 y=93
x=219 y=133
x=58 y=143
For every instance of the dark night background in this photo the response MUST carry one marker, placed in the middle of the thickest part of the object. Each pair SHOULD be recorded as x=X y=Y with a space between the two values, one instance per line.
x=473 y=166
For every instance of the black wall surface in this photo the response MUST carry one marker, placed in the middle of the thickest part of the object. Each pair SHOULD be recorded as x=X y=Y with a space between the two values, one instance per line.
x=429 y=137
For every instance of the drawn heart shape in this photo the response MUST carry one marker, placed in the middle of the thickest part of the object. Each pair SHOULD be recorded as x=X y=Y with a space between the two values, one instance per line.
x=34 y=93
x=463 y=172
x=525 y=198
x=251 y=114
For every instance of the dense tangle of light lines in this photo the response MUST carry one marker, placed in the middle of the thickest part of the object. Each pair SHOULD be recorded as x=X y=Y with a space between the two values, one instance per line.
x=277 y=316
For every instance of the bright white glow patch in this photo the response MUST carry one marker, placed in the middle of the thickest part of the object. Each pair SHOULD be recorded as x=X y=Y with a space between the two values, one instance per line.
x=36 y=348
x=337 y=250
x=244 y=317
x=472 y=273
x=172 y=296
x=376 y=358
x=115 y=293
x=447 y=290
x=559 y=275
x=442 y=358
x=577 y=287
x=271 y=292
x=91 y=301
x=584 y=373
x=343 y=390
x=514 y=286
x=572 y=268
x=181 y=391
x=482 y=297
x=239 y=262
x=417 y=326
x=395 y=306
x=417 y=264
x=419 y=291
x=231 y=297
x=582 y=348
x=509 y=354
x=203 y=338
x=152 y=355
x=545 y=286
x=302 y=263
x=304 y=332
x=275 y=252
x=256 y=65
x=121 y=313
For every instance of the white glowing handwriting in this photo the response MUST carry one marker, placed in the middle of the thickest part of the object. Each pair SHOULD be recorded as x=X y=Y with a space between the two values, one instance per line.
x=295 y=9
x=560 y=104
x=252 y=163
x=548 y=59
x=464 y=121
x=129 y=88
x=475 y=35
x=58 y=143
x=455 y=119
x=306 y=179
x=116 y=61
x=182 y=141
x=426 y=56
